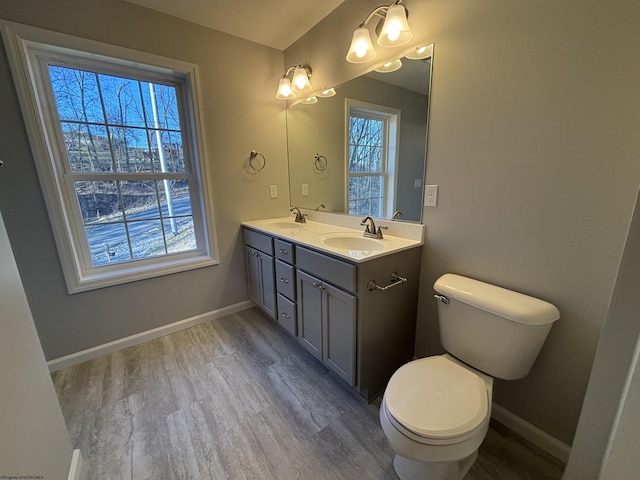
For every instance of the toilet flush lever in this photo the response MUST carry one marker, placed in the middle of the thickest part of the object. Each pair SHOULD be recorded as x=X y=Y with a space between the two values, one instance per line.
x=442 y=298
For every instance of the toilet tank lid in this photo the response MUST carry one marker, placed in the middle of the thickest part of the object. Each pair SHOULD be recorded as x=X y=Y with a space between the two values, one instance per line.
x=497 y=300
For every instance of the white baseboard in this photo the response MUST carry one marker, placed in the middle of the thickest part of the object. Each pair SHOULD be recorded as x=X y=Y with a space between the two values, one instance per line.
x=100 y=350
x=540 y=439
x=75 y=470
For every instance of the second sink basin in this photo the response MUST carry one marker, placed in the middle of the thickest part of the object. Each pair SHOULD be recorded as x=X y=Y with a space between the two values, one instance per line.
x=353 y=242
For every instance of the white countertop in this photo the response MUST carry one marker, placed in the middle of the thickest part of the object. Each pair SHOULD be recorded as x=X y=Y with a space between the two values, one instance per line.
x=321 y=236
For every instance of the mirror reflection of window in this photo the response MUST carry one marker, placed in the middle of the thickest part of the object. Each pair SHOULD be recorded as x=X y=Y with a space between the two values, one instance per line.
x=372 y=134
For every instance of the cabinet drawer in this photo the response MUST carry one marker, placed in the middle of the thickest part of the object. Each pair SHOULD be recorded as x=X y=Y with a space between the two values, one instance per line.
x=341 y=274
x=284 y=251
x=287 y=314
x=285 y=279
x=257 y=240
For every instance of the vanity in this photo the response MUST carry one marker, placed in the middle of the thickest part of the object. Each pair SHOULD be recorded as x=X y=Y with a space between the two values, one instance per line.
x=350 y=301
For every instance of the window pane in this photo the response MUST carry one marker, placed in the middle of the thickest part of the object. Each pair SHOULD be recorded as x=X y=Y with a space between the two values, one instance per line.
x=108 y=243
x=178 y=201
x=122 y=102
x=76 y=94
x=140 y=199
x=99 y=201
x=87 y=147
x=170 y=156
x=147 y=239
x=185 y=239
x=166 y=106
x=130 y=149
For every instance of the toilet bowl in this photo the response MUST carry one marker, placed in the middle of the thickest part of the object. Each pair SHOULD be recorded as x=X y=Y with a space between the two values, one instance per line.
x=435 y=414
x=436 y=410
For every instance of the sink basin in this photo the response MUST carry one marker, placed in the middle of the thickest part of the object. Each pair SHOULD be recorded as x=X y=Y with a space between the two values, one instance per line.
x=285 y=225
x=352 y=242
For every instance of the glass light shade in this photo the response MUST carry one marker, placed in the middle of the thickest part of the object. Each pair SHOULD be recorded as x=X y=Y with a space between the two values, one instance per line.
x=420 y=52
x=361 y=49
x=284 y=89
x=329 y=92
x=395 y=31
x=310 y=100
x=391 y=66
x=301 y=81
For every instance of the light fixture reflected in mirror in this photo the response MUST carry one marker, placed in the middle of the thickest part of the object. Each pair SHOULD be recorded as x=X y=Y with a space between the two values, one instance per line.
x=310 y=100
x=299 y=82
x=395 y=32
x=389 y=67
x=329 y=92
x=421 y=52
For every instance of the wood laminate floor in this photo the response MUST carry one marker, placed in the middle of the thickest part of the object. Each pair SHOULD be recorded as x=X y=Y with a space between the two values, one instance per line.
x=238 y=398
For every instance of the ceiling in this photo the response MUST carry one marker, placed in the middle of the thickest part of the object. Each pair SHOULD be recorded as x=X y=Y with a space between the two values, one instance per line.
x=275 y=23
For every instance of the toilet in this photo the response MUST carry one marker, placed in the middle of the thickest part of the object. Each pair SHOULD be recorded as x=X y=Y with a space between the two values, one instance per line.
x=435 y=411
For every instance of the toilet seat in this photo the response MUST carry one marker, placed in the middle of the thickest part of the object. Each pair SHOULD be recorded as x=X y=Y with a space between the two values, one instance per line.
x=436 y=399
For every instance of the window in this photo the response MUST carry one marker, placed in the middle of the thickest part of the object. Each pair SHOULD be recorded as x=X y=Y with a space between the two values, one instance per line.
x=116 y=143
x=371 y=150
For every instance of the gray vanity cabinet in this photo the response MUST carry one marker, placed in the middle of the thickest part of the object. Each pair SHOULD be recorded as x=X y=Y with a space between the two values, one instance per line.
x=359 y=332
x=260 y=270
x=327 y=324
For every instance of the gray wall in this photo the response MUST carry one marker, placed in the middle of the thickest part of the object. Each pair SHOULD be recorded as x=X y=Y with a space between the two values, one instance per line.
x=34 y=438
x=533 y=141
x=240 y=114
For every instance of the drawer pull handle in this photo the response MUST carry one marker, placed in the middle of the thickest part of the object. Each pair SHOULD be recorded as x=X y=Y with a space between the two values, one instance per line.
x=284 y=252
x=318 y=285
x=284 y=280
x=285 y=315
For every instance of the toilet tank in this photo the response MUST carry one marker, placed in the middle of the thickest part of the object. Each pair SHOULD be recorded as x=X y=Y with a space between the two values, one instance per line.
x=490 y=328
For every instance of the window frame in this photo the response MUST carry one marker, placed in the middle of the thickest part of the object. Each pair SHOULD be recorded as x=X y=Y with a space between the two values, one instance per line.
x=30 y=50
x=390 y=146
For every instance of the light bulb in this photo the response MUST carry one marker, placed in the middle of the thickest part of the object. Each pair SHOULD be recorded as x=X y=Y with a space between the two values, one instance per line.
x=361 y=49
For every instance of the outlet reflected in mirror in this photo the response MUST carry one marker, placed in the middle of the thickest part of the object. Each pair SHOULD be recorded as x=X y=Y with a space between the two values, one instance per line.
x=372 y=139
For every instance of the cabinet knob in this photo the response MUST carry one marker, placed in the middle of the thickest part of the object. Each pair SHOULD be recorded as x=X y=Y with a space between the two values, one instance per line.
x=255 y=254
x=318 y=285
x=284 y=280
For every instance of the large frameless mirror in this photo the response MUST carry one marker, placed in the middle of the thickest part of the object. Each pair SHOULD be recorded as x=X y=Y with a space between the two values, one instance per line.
x=363 y=150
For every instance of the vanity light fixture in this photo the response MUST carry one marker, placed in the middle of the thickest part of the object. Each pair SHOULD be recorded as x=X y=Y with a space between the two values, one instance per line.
x=299 y=82
x=395 y=32
x=389 y=67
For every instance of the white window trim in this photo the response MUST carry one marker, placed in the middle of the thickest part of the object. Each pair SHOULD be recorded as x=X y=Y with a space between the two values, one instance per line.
x=20 y=40
x=392 y=142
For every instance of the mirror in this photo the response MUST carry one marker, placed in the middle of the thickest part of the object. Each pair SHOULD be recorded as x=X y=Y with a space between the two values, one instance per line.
x=363 y=151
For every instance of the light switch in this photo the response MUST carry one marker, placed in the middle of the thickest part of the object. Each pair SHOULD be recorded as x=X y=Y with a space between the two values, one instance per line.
x=305 y=189
x=417 y=183
x=273 y=191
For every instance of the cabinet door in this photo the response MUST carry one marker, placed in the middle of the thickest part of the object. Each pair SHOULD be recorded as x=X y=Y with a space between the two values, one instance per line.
x=253 y=274
x=310 y=313
x=339 y=325
x=260 y=275
x=267 y=279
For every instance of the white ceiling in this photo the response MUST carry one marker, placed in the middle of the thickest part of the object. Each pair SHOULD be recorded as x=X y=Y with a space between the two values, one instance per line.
x=275 y=23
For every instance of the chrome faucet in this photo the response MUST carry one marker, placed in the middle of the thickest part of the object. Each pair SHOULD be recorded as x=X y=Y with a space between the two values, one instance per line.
x=300 y=217
x=397 y=214
x=320 y=206
x=371 y=231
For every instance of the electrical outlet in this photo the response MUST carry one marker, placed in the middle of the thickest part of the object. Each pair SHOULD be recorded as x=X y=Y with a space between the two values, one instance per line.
x=430 y=195
x=273 y=191
x=305 y=189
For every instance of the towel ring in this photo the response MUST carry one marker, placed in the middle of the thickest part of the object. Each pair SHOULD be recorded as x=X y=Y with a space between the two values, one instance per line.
x=320 y=163
x=252 y=157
